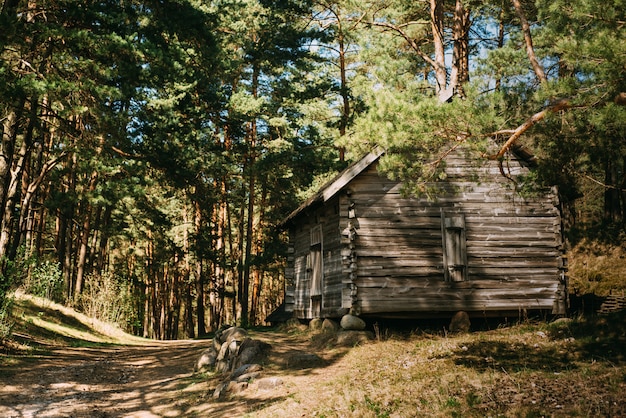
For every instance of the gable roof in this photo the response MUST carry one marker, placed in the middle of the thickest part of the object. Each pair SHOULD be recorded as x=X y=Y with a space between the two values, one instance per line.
x=331 y=188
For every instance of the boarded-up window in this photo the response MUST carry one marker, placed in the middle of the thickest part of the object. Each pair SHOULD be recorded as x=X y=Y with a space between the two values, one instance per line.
x=315 y=257
x=315 y=261
x=454 y=246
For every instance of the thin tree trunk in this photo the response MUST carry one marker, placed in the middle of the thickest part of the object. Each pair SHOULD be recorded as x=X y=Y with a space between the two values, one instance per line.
x=500 y=45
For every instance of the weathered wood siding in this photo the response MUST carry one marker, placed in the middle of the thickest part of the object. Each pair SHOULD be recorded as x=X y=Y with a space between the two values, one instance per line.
x=513 y=245
x=299 y=288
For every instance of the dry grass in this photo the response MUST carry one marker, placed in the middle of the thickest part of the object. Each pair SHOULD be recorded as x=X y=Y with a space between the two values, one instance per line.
x=528 y=370
x=597 y=267
x=575 y=368
x=42 y=323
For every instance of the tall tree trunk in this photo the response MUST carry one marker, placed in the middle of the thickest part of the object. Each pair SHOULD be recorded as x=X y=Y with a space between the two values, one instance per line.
x=249 y=234
x=83 y=249
x=345 y=93
x=528 y=41
x=612 y=198
x=257 y=273
x=200 y=310
x=459 y=75
x=436 y=21
x=10 y=127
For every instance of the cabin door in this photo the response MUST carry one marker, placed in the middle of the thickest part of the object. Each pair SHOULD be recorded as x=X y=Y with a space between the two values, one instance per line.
x=454 y=247
x=316 y=271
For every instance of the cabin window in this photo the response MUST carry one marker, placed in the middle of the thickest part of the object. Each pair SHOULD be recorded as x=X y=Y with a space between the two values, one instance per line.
x=454 y=247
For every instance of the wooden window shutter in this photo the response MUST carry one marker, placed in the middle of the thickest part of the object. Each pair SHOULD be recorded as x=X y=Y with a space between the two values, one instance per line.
x=454 y=246
x=316 y=235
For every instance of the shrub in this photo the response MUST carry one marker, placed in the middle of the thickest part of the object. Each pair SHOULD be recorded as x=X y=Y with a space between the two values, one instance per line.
x=6 y=323
x=107 y=298
x=46 y=281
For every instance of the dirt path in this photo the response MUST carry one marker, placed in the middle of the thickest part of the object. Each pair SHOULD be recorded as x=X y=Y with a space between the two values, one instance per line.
x=155 y=380
x=134 y=381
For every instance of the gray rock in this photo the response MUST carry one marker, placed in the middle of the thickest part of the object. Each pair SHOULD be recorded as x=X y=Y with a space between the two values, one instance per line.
x=460 y=323
x=222 y=354
x=250 y=351
x=233 y=334
x=248 y=377
x=206 y=361
x=352 y=323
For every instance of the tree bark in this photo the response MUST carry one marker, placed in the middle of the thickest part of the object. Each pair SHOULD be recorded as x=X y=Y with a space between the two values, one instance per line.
x=528 y=41
x=459 y=75
x=436 y=21
x=199 y=273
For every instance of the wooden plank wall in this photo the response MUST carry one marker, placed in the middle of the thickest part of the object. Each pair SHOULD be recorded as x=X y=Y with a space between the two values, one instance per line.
x=513 y=244
x=299 y=237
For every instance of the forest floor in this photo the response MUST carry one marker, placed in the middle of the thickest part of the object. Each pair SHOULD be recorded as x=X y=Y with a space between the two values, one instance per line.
x=62 y=364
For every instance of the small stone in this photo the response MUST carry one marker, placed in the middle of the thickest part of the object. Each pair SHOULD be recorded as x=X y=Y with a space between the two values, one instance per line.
x=561 y=321
x=236 y=387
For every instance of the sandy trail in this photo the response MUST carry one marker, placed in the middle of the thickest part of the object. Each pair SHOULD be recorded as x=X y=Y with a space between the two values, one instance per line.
x=129 y=381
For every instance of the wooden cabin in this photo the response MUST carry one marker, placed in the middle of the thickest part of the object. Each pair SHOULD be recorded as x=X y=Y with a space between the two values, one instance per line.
x=360 y=246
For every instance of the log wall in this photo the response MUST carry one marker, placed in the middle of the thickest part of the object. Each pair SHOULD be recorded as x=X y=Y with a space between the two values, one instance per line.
x=513 y=245
x=383 y=253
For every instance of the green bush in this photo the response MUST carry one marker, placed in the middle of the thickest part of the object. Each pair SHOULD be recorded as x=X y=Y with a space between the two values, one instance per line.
x=46 y=281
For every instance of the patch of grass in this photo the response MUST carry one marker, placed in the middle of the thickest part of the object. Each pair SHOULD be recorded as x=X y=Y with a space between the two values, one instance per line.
x=40 y=324
x=526 y=370
x=597 y=267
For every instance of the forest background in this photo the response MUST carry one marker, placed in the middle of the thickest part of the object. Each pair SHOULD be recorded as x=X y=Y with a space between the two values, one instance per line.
x=150 y=149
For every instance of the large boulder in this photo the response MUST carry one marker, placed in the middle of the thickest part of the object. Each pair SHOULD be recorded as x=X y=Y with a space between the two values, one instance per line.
x=250 y=351
x=233 y=334
x=352 y=323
